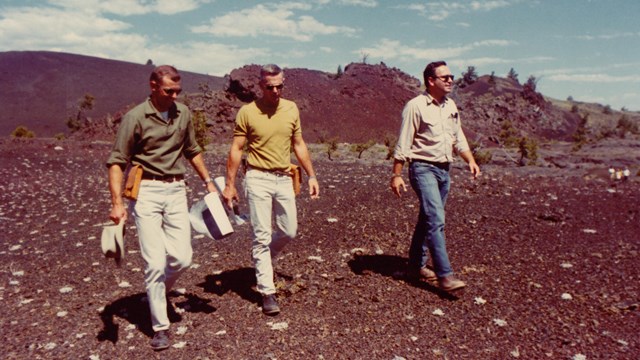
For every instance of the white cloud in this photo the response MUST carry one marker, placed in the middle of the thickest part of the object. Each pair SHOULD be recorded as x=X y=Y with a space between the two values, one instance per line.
x=89 y=33
x=38 y=28
x=272 y=20
x=393 y=49
x=364 y=3
x=440 y=11
x=130 y=7
x=591 y=78
x=212 y=59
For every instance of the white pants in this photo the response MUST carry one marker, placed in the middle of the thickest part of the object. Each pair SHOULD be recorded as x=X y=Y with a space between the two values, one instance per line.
x=270 y=194
x=164 y=231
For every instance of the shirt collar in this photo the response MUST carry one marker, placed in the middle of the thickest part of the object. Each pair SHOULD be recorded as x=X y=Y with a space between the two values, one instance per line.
x=150 y=110
x=431 y=100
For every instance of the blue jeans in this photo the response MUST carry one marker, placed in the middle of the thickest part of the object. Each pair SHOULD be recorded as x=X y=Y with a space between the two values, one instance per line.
x=431 y=184
x=270 y=195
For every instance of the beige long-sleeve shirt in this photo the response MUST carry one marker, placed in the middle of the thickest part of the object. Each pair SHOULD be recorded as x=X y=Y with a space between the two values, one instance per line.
x=430 y=131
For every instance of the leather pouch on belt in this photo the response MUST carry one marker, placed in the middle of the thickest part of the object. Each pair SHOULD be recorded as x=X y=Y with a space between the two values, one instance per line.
x=296 y=174
x=132 y=186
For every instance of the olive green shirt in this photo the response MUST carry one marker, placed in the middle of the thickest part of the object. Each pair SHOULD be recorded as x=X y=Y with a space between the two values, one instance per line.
x=269 y=135
x=145 y=138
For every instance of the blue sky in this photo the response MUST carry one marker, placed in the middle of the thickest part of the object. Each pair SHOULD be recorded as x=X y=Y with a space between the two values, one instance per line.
x=587 y=49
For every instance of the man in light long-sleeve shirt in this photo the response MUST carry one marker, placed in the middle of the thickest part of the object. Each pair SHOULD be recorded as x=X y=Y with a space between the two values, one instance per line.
x=430 y=131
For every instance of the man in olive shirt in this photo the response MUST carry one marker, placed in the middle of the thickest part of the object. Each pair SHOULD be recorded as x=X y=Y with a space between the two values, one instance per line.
x=270 y=126
x=154 y=135
x=430 y=131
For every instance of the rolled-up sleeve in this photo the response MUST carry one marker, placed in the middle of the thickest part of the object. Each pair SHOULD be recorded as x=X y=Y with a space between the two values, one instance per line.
x=125 y=141
x=191 y=147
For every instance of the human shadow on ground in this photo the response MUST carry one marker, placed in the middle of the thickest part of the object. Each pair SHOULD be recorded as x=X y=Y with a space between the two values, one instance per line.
x=240 y=281
x=135 y=310
x=394 y=267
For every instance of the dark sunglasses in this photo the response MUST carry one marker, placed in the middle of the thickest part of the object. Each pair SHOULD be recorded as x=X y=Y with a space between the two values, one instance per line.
x=170 y=92
x=445 y=78
x=271 y=87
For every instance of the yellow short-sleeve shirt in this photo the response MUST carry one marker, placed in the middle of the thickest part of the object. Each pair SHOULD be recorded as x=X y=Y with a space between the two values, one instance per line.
x=269 y=135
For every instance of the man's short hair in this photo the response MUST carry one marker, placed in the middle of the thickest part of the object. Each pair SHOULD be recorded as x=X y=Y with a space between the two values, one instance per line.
x=270 y=70
x=164 y=70
x=430 y=71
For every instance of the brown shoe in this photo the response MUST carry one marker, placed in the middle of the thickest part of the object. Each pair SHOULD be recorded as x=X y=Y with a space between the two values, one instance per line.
x=428 y=274
x=450 y=283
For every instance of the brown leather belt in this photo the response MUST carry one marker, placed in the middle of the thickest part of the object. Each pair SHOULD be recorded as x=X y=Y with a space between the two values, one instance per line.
x=271 y=171
x=163 y=178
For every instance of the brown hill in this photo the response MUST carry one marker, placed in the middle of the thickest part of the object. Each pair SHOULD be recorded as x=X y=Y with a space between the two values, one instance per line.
x=41 y=89
x=362 y=103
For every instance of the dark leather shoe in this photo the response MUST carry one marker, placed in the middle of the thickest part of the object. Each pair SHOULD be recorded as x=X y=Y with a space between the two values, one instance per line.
x=160 y=340
x=270 y=305
x=450 y=283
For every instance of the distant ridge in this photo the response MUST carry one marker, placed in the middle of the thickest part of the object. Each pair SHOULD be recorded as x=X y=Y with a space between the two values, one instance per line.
x=40 y=89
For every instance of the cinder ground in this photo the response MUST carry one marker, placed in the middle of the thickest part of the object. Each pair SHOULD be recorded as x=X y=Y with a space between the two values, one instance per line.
x=550 y=256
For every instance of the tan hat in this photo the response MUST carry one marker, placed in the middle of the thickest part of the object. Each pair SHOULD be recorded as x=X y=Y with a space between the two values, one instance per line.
x=113 y=241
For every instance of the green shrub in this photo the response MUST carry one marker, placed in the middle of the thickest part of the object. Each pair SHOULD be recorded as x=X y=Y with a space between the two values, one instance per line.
x=362 y=147
x=59 y=136
x=390 y=142
x=200 y=127
x=332 y=146
x=22 y=132
x=580 y=135
x=528 y=149
x=481 y=156
x=509 y=135
x=627 y=125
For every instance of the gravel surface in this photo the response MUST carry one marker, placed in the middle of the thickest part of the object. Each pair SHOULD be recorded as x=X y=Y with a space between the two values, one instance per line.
x=550 y=257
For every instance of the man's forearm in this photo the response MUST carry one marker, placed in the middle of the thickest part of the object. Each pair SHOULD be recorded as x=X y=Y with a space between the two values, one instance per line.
x=115 y=184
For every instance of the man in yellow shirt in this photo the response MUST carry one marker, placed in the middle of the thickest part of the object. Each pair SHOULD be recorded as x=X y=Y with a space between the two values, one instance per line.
x=270 y=127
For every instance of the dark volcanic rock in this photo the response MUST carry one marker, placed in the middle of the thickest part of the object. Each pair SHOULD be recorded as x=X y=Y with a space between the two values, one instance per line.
x=550 y=257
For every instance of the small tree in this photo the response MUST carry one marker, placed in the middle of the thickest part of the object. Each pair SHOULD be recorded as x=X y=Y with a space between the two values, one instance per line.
x=481 y=156
x=200 y=127
x=390 y=142
x=22 y=132
x=468 y=77
x=529 y=91
x=362 y=147
x=580 y=135
x=528 y=149
x=492 y=79
x=332 y=146
x=513 y=75
x=626 y=125
x=80 y=119
x=365 y=57
x=509 y=136
x=339 y=72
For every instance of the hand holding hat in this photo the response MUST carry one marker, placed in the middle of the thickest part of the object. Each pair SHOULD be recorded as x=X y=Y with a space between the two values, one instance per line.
x=113 y=241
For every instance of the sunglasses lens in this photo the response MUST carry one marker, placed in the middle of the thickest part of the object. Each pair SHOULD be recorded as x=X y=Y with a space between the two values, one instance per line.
x=170 y=92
